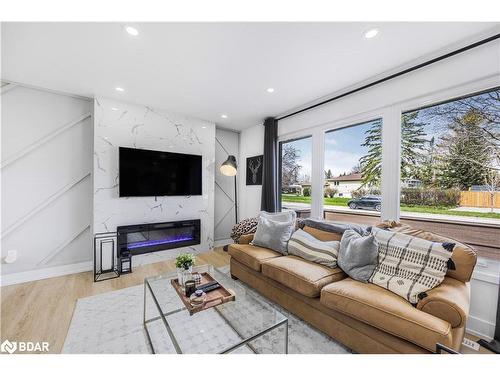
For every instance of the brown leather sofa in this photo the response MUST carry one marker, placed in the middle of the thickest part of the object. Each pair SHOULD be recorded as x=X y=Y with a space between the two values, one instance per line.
x=364 y=317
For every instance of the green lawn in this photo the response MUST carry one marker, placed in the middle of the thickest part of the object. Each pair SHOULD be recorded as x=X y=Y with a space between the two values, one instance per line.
x=337 y=201
x=447 y=211
x=342 y=202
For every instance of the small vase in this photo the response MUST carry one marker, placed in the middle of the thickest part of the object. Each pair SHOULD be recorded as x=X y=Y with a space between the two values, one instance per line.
x=184 y=275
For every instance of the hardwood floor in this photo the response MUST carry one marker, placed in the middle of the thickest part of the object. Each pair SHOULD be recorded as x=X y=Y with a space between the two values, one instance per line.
x=42 y=310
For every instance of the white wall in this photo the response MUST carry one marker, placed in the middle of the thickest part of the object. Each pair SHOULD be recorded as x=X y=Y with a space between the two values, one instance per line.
x=484 y=297
x=251 y=144
x=121 y=124
x=226 y=143
x=46 y=183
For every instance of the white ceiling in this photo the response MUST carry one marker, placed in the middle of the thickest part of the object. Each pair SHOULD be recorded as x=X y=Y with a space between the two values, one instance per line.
x=208 y=69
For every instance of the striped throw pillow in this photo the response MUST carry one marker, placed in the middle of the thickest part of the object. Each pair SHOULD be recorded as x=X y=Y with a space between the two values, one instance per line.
x=305 y=246
x=409 y=266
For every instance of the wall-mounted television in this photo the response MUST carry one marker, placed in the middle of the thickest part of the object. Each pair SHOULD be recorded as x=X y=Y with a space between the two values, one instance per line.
x=147 y=173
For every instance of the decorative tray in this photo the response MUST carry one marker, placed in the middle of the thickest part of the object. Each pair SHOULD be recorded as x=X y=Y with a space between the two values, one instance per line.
x=214 y=297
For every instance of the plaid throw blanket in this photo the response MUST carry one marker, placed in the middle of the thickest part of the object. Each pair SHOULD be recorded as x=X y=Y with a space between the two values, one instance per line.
x=409 y=266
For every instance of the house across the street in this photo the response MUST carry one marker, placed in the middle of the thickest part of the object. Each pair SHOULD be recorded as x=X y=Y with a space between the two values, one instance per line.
x=345 y=184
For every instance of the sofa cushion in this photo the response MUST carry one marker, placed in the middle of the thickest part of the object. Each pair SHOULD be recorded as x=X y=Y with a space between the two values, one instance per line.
x=306 y=278
x=333 y=226
x=245 y=239
x=244 y=226
x=284 y=216
x=273 y=234
x=308 y=247
x=250 y=255
x=322 y=235
x=408 y=265
x=464 y=257
x=358 y=255
x=387 y=311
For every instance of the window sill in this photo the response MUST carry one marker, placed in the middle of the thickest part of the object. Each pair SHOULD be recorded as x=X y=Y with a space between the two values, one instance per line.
x=483 y=237
x=458 y=220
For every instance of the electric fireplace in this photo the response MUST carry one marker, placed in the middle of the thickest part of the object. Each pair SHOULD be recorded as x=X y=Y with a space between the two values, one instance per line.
x=147 y=238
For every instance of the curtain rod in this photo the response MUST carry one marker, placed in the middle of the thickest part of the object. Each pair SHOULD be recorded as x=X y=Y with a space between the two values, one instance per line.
x=395 y=75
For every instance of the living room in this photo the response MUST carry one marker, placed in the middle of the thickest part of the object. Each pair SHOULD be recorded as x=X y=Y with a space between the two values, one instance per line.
x=250 y=187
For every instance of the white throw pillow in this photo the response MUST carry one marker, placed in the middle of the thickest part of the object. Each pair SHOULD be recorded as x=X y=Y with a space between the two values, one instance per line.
x=308 y=247
x=409 y=266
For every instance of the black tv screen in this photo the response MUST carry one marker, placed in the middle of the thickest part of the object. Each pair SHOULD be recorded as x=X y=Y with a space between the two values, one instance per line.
x=146 y=173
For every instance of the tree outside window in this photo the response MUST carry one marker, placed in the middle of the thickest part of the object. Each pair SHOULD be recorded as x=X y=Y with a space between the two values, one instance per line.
x=450 y=164
x=296 y=173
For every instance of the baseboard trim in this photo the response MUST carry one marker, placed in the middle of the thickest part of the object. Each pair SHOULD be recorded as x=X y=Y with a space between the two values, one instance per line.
x=224 y=242
x=44 y=273
x=489 y=278
x=480 y=328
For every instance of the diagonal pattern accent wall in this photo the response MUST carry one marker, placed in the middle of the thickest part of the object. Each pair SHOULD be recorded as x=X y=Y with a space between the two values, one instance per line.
x=46 y=179
x=226 y=143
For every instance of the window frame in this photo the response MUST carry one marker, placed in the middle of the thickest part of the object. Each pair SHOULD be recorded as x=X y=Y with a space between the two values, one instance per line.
x=435 y=99
x=391 y=141
x=280 y=170
x=340 y=127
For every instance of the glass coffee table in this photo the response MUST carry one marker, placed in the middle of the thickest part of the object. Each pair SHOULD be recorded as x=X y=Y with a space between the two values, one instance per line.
x=246 y=325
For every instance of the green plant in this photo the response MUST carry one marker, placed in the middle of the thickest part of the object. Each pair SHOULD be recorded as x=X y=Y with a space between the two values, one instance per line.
x=306 y=192
x=430 y=197
x=185 y=261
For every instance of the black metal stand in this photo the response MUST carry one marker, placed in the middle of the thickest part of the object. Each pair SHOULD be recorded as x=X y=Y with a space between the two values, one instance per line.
x=226 y=247
x=494 y=345
x=440 y=348
x=101 y=274
x=235 y=200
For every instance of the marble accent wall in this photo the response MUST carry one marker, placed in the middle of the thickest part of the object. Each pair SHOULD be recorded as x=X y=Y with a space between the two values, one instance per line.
x=121 y=124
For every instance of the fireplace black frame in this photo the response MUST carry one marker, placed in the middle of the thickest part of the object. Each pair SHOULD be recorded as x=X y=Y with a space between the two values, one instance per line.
x=124 y=230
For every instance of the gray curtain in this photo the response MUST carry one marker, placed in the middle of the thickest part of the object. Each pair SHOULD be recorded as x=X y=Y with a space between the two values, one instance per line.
x=270 y=201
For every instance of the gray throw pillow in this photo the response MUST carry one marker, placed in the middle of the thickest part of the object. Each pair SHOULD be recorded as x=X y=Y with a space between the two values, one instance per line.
x=358 y=255
x=273 y=234
x=283 y=216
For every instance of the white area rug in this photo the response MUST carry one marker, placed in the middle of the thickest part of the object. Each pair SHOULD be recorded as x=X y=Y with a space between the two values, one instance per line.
x=112 y=323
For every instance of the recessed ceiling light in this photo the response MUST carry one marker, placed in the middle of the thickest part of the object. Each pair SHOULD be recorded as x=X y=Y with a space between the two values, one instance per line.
x=372 y=33
x=203 y=127
x=114 y=109
x=121 y=89
x=132 y=30
x=270 y=90
x=223 y=116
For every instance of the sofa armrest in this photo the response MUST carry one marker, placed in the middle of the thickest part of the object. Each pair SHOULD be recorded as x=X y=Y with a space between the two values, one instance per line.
x=245 y=239
x=448 y=301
